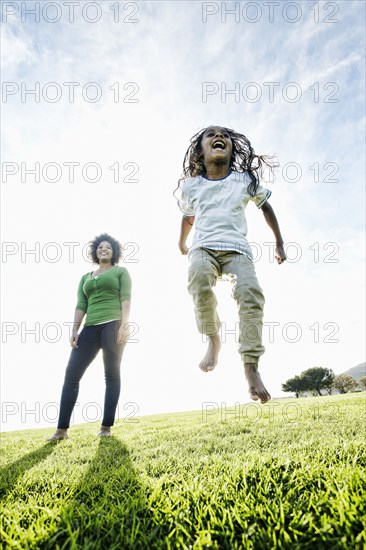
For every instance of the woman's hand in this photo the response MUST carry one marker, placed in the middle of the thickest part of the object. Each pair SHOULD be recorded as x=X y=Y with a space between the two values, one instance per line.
x=78 y=318
x=123 y=334
x=74 y=339
x=280 y=253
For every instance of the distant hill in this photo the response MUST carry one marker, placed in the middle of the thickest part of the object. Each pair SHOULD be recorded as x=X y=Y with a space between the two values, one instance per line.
x=357 y=372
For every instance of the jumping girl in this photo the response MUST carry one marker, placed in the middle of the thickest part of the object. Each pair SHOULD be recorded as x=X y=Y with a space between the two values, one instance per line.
x=221 y=174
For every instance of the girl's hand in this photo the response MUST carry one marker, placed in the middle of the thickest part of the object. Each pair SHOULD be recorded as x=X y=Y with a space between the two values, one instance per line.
x=123 y=334
x=280 y=254
x=74 y=339
x=183 y=248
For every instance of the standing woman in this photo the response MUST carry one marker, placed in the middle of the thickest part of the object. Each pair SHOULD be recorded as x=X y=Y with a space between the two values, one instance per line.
x=104 y=298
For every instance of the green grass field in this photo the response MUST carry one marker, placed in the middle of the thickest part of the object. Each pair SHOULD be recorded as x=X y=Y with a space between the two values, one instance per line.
x=289 y=474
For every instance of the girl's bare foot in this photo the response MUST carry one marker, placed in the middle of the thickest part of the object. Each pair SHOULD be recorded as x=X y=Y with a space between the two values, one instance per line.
x=257 y=391
x=60 y=433
x=104 y=431
x=209 y=361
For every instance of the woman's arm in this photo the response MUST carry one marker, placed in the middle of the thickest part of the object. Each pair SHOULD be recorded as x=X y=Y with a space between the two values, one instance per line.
x=185 y=228
x=78 y=319
x=126 y=308
x=124 y=333
x=271 y=220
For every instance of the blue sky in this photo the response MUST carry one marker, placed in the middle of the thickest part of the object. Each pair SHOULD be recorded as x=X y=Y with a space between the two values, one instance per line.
x=169 y=54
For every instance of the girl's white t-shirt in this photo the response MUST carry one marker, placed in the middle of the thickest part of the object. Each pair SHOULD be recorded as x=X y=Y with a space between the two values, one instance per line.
x=219 y=210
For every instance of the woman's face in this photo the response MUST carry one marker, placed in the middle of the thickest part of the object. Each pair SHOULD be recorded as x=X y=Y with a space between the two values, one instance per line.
x=105 y=251
x=216 y=145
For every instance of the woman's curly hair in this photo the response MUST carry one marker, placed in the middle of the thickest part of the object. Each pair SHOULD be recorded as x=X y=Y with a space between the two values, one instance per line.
x=116 y=248
x=243 y=159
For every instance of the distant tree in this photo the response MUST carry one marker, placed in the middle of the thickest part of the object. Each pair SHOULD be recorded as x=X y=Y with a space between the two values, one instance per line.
x=363 y=382
x=344 y=383
x=295 y=385
x=317 y=379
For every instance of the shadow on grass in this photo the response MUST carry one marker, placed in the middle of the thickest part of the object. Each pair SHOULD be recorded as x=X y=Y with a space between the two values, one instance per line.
x=10 y=474
x=109 y=509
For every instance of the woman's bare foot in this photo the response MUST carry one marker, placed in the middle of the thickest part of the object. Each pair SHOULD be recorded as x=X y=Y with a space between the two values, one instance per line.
x=209 y=361
x=104 y=431
x=256 y=386
x=60 y=433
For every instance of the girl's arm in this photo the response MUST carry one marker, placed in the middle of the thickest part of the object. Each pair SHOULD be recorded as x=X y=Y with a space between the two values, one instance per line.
x=185 y=228
x=271 y=220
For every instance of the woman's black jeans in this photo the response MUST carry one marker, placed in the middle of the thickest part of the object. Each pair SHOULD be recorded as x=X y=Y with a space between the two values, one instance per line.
x=91 y=340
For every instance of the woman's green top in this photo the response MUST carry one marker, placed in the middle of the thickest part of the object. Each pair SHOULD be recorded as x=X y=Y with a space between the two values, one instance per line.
x=100 y=297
